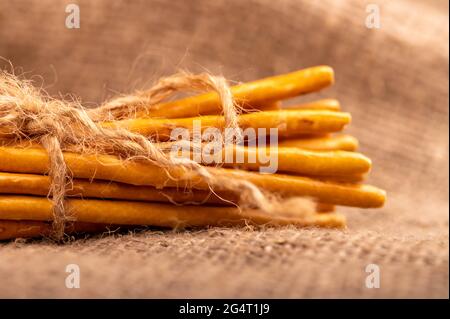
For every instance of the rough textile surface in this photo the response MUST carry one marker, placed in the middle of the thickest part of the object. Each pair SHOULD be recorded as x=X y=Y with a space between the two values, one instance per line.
x=394 y=80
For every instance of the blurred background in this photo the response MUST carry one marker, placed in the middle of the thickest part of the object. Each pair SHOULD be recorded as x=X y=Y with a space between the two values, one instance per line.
x=393 y=79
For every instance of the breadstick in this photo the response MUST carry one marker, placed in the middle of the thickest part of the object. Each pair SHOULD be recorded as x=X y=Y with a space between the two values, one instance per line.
x=252 y=93
x=289 y=123
x=152 y=214
x=107 y=167
x=290 y=158
x=323 y=143
x=324 y=104
x=299 y=161
x=10 y=229
x=31 y=184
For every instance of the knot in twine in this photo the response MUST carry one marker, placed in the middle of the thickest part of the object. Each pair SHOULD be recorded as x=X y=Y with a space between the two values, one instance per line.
x=27 y=112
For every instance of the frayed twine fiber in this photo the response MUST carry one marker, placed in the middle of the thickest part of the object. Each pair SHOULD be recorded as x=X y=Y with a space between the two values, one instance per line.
x=27 y=112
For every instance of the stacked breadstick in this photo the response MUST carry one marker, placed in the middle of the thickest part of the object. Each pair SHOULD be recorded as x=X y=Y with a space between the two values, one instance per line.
x=314 y=160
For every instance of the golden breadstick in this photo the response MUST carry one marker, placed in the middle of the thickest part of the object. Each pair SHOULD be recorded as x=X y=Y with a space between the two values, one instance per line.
x=13 y=229
x=288 y=123
x=298 y=161
x=31 y=184
x=324 y=104
x=106 y=167
x=10 y=229
x=323 y=143
x=326 y=142
x=153 y=214
x=252 y=93
x=351 y=166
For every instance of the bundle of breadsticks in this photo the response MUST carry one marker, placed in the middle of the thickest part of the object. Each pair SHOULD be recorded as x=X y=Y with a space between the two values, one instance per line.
x=65 y=169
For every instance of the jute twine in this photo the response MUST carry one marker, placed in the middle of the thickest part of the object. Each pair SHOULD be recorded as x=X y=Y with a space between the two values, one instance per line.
x=29 y=113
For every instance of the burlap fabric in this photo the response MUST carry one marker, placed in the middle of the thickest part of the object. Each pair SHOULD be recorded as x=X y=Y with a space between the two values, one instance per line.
x=394 y=80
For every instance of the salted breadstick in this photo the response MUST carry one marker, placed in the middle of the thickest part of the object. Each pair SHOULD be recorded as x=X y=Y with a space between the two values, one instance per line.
x=288 y=122
x=252 y=93
x=107 y=167
x=11 y=229
x=323 y=143
x=154 y=214
x=324 y=104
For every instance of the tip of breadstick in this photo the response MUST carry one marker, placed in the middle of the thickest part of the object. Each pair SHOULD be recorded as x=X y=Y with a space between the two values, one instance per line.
x=327 y=72
x=377 y=196
x=383 y=197
x=331 y=103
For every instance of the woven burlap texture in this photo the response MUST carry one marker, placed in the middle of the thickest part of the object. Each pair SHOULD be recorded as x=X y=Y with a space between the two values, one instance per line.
x=394 y=81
